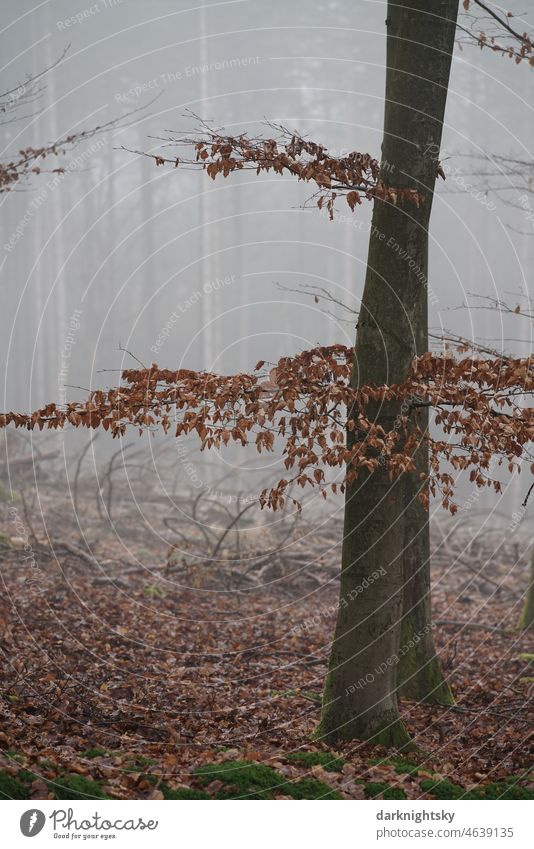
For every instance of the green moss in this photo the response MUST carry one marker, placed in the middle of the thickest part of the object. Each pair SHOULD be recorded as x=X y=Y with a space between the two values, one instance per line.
x=402 y=766
x=26 y=776
x=144 y=762
x=509 y=788
x=153 y=591
x=76 y=787
x=394 y=735
x=242 y=774
x=94 y=752
x=387 y=729
x=526 y=657
x=442 y=788
x=310 y=788
x=420 y=674
x=374 y=788
x=526 y=619
x=183 y=793
x=377 y=788
x=405 y=767
x=394 y=793
x=15 y=756
x=138 y=764
x=12 y=788
x=6 y=495
x=257 y=781
x=330 y=762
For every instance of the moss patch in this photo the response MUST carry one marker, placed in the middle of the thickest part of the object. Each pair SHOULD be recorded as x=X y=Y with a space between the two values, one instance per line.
x=330 y=762
x=377 y=788
x=442 y=789
x=138 y=764
x=310 y=788
x=402 y=766
x=257 y=781
x=12 y=788
x=509 y=788
x=76 y=787
x=420 y=675
x=182 y=793
x=26 y=776
x=6 y=495
x=94 y=752
x=393 y=735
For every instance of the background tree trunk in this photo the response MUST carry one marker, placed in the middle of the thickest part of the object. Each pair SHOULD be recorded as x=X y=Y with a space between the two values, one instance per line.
x=526 y=620
x=360 y=697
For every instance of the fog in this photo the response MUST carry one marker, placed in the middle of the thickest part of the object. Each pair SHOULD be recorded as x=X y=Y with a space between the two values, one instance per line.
x=180 y=270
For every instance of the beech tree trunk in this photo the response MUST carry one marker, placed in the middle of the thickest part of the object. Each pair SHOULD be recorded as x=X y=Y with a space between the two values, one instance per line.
x=526 y=620
x=384 y=531
x=419 y=671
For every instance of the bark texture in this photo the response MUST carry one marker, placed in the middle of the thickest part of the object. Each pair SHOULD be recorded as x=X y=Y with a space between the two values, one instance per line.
x=360 y=697
x=526 y=620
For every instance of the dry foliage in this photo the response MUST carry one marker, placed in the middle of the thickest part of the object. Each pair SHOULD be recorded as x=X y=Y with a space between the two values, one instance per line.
x=491 y=27
x=301 y=406
x=136 y=691
x=354 y=176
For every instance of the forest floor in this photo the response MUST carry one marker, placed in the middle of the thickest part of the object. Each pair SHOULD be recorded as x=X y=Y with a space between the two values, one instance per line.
x=129 y=689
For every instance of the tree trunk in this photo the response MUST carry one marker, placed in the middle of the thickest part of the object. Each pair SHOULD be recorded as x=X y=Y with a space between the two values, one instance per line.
x=526 y=620
x=360 y=698
x=419 y=673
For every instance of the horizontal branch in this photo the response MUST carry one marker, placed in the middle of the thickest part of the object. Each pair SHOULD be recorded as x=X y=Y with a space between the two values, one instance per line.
x=355 y=176
x=306 y=405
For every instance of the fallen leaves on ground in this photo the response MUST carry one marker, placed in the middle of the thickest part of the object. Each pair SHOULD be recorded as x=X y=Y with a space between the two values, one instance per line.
x=112 y=692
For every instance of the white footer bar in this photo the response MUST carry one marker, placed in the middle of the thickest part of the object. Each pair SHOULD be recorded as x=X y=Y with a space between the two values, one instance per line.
x=269 y=824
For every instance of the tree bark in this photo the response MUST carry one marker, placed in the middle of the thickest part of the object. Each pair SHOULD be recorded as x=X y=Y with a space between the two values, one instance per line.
x=360 y=696
x=419 y=673
x=526 y=620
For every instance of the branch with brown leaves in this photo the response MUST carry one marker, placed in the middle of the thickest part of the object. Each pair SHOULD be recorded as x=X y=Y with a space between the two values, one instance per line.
x=492 y=28
x=354 y=176
x=301 y=406
x=29 y=161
